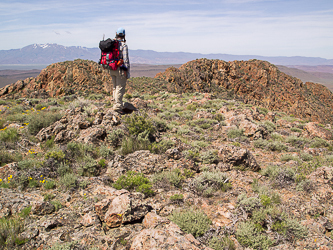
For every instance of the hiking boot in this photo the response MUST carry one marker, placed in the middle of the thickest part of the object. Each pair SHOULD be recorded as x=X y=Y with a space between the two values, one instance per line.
x=120 y=111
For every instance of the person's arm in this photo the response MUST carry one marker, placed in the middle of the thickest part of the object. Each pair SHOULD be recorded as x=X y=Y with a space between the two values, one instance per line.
x=126 y=60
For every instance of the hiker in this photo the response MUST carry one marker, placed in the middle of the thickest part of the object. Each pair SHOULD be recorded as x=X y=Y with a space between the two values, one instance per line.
x=122 y=73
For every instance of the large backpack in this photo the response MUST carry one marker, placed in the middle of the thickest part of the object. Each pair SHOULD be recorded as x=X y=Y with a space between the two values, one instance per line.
x=109 y=53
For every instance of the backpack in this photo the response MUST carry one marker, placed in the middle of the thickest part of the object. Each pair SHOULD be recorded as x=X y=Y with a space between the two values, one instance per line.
x=109 y=53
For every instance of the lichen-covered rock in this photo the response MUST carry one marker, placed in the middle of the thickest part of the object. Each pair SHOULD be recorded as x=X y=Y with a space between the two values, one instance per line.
x=122 y=208
x=312 y=129
x=42 y=208
x=238 y=157
x=161 y=233
x=142 y=161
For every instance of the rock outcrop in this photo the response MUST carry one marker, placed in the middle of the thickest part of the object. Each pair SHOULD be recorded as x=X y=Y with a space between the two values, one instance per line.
x=256 y=82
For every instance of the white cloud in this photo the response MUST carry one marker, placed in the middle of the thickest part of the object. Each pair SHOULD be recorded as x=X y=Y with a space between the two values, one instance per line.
x=229 y=31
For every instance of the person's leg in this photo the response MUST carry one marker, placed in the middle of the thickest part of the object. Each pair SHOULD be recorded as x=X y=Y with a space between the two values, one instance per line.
x=119 y=91
x=114 y=80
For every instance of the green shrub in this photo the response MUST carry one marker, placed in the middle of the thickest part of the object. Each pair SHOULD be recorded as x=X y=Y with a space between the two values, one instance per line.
x=260 y=143
x=199 y=144
x=187 y=114
x=263 y=111
x=203 y=123
x=84 y=183
x=306 y=157
x=194 y=222
x=43 y=120
x=115 y=137
x=207 y=183
x=266 y=191
x=223 y=243
x=131 y=144
x=277 y=146
x=297 y=141
x=277 y=137
x=192 y=106
x=306 y=168
x=173 y=177
x=74 y=148
x=329 y=158
x=248 y=203
x=79 y=150
x=30 y=164
x=281 y=177
x=33 y=183
x=63 y=169
x=67 y=181
x=293 y=229
x=48 y=197
x=305 y=185
x=219 y=117
x=102 y=163
x=6 y=157
x=138 y=124
x=183 y=130
x=162 y=146
x=55 y=154
x=298 y=130
x=289 y=157
x=191 y=154
x=188 y=173
x=134 y=181
x=235 y=133
x=177 y=198
x=248 y=235
x=10 y=229
x=265 y=200
x=159 y=124
x=50 y=143
x=209 y=157
x=49 y=184
x=9 y=135
x=270 y=126
x=88 y=166
x=25 y=212
x=105 y=151
x=57 y=204
x=319 y=143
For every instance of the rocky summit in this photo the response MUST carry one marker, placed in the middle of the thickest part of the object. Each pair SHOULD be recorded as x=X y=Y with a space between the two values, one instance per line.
x=257 y=83
x=206 y=158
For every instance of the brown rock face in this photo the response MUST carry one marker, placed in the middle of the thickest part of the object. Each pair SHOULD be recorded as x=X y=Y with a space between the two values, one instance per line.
x=256 y=82
x=314 y=130
x=60 y=79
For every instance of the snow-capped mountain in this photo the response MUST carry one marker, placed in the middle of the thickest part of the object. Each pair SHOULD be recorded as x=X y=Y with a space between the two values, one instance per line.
x=47 y=54
x=51 y=53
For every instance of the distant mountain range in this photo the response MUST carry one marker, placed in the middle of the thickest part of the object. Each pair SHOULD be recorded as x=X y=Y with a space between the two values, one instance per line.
x=52 y=53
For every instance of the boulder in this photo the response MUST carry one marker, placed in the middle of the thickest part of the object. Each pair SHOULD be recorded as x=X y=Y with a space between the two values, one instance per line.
x=248 y=127
x=142 y=161
x=121 y=209
x=161 y=233
x=42 y=208
x=312 y=129
x=238 y=157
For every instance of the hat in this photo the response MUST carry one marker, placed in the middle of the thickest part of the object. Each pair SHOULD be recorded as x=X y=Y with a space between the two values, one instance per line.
x=120 y=32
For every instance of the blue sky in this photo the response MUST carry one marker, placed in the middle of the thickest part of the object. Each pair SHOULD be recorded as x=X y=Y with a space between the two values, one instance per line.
x=240 y=27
